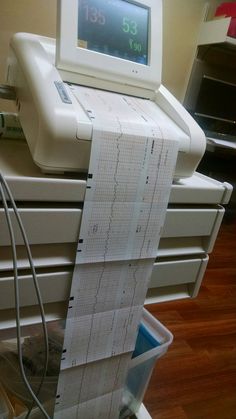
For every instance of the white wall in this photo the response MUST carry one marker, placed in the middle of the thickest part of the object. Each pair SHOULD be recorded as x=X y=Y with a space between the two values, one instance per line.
x=35 y=16
x=181 y=25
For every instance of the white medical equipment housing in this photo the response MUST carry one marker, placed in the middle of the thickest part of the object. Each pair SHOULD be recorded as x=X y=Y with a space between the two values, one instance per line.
x=57 y=128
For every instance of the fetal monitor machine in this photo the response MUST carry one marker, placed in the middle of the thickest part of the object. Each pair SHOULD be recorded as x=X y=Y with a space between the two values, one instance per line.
x=111 y=45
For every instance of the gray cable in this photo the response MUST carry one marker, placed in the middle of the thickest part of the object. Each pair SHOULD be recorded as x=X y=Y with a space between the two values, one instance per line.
x=16 y=287
x=17 y=307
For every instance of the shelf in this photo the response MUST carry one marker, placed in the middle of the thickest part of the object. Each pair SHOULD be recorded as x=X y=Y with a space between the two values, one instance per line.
x=215 y=32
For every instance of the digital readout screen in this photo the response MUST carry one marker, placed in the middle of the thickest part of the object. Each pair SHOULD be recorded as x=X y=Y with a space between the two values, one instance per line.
x=114 y=27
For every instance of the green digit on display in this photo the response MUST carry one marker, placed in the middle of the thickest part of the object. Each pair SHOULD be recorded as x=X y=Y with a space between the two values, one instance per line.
x=133 y=27
x=125 y=25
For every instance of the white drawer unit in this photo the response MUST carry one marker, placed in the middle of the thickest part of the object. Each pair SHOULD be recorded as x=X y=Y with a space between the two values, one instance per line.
x=51 y=210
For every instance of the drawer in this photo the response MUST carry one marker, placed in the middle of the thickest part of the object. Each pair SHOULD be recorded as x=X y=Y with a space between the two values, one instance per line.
x=188 y=222
x=30 y=316
x=174 y=279
x=44 y=256
x=43 y=225
x=61 y=225
x=55 y=282
x=54 y=286
x=190 y=231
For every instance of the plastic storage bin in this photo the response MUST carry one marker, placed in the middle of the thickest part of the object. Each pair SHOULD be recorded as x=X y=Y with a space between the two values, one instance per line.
x=152 y=342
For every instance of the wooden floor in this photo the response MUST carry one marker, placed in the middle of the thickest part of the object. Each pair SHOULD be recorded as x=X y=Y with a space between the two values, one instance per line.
x=196 y=379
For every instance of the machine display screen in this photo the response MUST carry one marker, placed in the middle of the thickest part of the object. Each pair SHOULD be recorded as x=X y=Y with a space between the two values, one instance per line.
x=114 y=27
